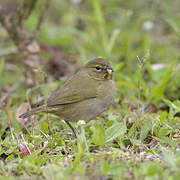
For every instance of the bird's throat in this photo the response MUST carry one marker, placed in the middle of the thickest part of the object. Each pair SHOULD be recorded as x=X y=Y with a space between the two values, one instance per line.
x=108 y=76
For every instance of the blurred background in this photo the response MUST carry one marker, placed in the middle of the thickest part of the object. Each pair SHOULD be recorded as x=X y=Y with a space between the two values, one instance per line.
x=140 y=38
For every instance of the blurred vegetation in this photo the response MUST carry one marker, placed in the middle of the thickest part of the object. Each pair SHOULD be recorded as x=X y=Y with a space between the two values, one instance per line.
x=140 y=136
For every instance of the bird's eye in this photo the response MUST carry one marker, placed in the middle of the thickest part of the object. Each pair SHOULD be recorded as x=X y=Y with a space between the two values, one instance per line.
x=98 y=68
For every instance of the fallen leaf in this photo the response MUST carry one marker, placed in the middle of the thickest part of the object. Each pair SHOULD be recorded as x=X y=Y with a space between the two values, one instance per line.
x=23 y=149
x=151 y=108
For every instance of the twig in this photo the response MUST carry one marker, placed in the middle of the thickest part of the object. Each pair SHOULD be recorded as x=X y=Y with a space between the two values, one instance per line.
x=41 y=17
x=25 y=10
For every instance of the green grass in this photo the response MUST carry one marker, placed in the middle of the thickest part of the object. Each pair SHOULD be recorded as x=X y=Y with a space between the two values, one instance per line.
x=137 y=138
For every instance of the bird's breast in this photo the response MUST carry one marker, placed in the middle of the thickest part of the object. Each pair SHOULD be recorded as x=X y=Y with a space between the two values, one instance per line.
x=106 y=93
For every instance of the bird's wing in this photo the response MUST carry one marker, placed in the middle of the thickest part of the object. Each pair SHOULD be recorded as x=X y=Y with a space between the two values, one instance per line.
x=78 y=88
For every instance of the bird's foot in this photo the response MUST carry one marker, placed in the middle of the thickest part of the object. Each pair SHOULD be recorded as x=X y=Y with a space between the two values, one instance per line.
x=73 y=129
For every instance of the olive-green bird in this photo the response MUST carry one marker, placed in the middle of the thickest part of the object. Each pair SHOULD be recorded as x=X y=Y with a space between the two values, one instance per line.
x=84 y=96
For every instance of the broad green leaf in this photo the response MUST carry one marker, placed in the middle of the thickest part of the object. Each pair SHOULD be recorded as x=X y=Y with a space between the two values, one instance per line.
x=145 y=130
x=163 y=117
x=115 y=131
x=98 y=137
x=81 y=141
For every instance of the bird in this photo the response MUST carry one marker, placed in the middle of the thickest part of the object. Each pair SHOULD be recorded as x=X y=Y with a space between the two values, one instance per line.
x=87 y=94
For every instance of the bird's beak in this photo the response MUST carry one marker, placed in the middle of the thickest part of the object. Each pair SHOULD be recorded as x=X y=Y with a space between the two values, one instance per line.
x=109 y=69
x=109 y=72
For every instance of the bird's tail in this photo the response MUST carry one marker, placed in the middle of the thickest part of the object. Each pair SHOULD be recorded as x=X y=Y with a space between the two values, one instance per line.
x=33 y=111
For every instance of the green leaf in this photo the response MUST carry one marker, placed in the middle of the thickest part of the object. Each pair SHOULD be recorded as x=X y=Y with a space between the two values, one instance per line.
x=98 y=137
x=145 y=130
x=81 y=141
x=174 y=105
x=170 y=158
x=45 y=127
x=158 y=92
x=163 y=117
x=115 y=131
x=104 y=167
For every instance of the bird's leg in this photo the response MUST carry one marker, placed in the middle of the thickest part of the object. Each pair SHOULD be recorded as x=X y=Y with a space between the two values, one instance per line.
x=73 y=130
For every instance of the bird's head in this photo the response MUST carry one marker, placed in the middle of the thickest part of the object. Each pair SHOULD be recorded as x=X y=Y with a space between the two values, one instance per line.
x=99 y=69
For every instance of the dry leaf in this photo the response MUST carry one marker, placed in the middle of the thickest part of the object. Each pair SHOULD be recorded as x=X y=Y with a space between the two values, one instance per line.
x=23 y=149
x=151 y=108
